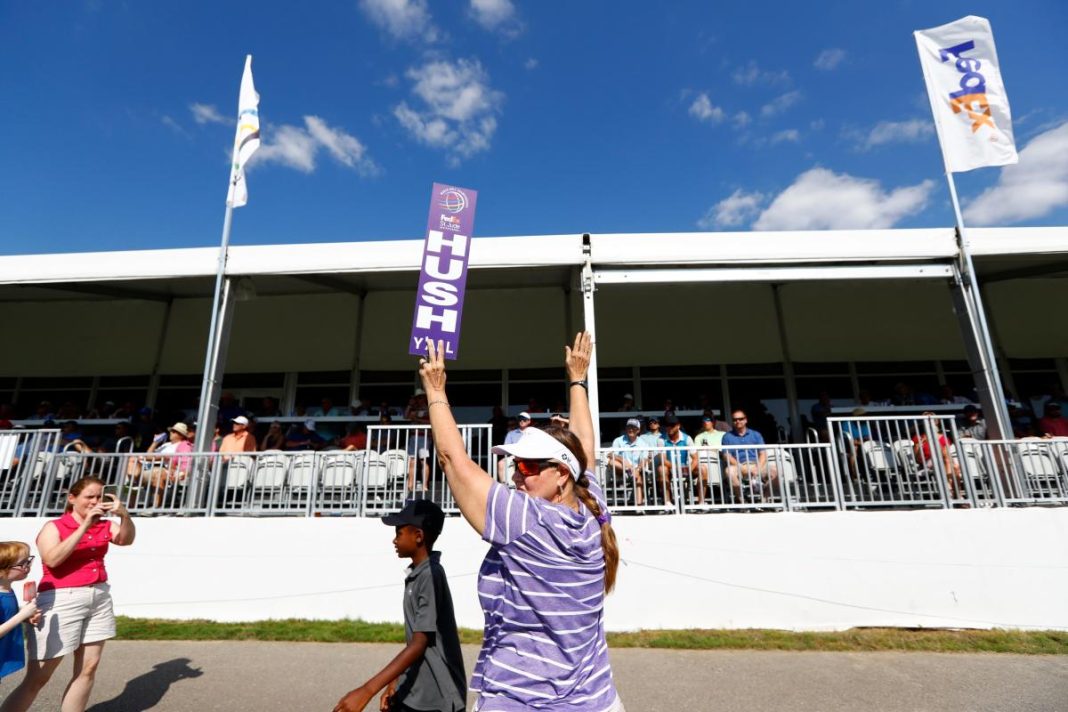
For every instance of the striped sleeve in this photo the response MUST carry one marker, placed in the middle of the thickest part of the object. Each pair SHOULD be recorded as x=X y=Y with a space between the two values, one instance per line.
x=509 y=515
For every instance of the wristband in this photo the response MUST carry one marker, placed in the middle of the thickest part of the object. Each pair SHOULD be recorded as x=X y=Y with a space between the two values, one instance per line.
x=584 y=383
x=436 y=402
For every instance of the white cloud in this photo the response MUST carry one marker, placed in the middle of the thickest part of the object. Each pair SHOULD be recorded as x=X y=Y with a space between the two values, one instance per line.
x=1032 y=188
x=822 y=200
x=298 y=147
x=786 y=135
x=780 y=103
x=531 y=63
x=173 y=125
x=403 y=19
x=496 y=15
x=829 y=59
x=703 y=110
x=741 y=120
x=207 y=114
x=884 y=132
x=752 y=74
x=732 y=211
x=459 y=107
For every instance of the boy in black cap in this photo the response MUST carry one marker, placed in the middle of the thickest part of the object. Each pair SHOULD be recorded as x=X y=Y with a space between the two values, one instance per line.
x=429 y=673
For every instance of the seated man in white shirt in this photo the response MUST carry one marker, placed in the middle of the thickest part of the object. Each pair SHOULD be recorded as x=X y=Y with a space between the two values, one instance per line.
x=628 y=458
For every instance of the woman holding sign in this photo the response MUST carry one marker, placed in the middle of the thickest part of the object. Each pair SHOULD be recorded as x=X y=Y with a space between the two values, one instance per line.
x=74 y=597
x=553 y=554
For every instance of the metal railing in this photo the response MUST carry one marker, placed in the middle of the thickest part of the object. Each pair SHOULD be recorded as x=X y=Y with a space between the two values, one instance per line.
x=904 y=461
x=869 y=462
x=733 y=477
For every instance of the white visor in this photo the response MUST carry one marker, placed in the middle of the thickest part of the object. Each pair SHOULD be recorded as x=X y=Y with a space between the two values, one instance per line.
x=535 y=444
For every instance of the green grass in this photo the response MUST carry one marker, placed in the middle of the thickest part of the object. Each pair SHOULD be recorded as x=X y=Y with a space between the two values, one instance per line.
x=855 y=640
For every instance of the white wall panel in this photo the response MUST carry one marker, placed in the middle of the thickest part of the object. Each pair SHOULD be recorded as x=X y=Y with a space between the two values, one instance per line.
x=1000 y=568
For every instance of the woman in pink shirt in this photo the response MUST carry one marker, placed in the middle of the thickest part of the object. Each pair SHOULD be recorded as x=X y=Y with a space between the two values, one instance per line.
x=74 y=596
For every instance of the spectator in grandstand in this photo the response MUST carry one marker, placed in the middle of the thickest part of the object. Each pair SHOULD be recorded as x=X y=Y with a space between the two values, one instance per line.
x=652 y=437
x=358 y=407
x=947 y=397
x=708 y=438
x=523 y=421
x=669 y=407
x=921 y=450
x=533 y=406
x=44 y=411
x=356 y=438
x=268 y=408
x=121 y=438
x=416 y=412
x=71 y=438
x=67 y=411
x=905 y=395
x=857 y=429
x=145 y=428
x=240 y=438
x=74 y=597
x=498 y=424
x=305 y=437
x=627 y=405
x=1053 y=423
x=1021 y=419
x=821 y=410
x=384 y=409
x=380 y=441
x=629 y=458
x=752 y=462
x=328 y=431
x=971 y=425
x=555 y=524
x=275 y=439
x=680 y=462
x=162 y=466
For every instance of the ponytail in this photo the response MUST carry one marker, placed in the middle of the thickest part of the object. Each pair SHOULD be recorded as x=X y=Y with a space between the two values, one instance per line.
x=608 y=535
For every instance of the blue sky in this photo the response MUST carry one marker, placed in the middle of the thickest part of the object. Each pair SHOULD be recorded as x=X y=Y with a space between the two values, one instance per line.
x=567 y=117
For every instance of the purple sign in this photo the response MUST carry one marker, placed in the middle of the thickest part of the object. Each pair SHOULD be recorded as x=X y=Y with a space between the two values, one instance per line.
x=439 y=302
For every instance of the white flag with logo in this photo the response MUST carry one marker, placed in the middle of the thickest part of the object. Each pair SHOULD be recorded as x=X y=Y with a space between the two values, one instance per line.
x=971 y=109
x=248 y=137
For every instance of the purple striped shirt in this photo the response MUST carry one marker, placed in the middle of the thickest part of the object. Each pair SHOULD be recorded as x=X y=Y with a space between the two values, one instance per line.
x=542 y=590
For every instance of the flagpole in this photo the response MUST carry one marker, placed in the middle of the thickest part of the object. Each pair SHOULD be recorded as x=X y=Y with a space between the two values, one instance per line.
x=988 y=383
x=994 y=410
x=208 y=409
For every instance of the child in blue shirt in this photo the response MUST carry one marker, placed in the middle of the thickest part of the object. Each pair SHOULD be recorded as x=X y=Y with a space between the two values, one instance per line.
x=15 y=562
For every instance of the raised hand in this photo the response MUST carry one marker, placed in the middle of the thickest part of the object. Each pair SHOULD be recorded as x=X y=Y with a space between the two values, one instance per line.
x=432 y=368
x=577 y=357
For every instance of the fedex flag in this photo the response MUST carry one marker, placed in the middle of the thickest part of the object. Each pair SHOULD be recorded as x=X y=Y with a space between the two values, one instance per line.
x=971 y=110
x=440 y=299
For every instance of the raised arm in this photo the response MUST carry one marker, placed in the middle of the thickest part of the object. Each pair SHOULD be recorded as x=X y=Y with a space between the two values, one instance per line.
x=469 y=483
x=577 y=365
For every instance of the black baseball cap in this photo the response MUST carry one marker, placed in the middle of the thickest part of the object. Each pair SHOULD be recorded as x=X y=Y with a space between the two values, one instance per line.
x=420 y=513
x=670 y=419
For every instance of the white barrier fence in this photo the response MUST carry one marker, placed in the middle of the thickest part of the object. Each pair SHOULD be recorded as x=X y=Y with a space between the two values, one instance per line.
x=868 y=463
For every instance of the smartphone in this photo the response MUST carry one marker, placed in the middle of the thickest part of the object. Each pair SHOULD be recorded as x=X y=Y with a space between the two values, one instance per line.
x=110 y=491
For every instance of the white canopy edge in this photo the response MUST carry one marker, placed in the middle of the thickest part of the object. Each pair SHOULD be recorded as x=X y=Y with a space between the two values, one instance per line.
x=830 y=246
x=773 y=247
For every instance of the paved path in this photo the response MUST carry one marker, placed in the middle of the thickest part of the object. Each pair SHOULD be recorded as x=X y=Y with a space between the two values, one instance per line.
x=269 y=677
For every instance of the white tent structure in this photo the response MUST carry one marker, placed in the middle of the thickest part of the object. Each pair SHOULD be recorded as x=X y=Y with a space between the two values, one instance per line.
x=698 y=303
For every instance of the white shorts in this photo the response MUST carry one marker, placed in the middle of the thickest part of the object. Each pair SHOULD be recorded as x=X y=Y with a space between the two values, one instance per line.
x=70 y=618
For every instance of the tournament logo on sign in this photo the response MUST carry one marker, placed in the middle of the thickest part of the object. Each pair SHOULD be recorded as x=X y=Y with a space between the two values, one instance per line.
x=440 y=298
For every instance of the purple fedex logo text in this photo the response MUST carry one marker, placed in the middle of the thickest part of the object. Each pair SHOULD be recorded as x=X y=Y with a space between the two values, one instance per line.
x=439 y=301
x=971 y=97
